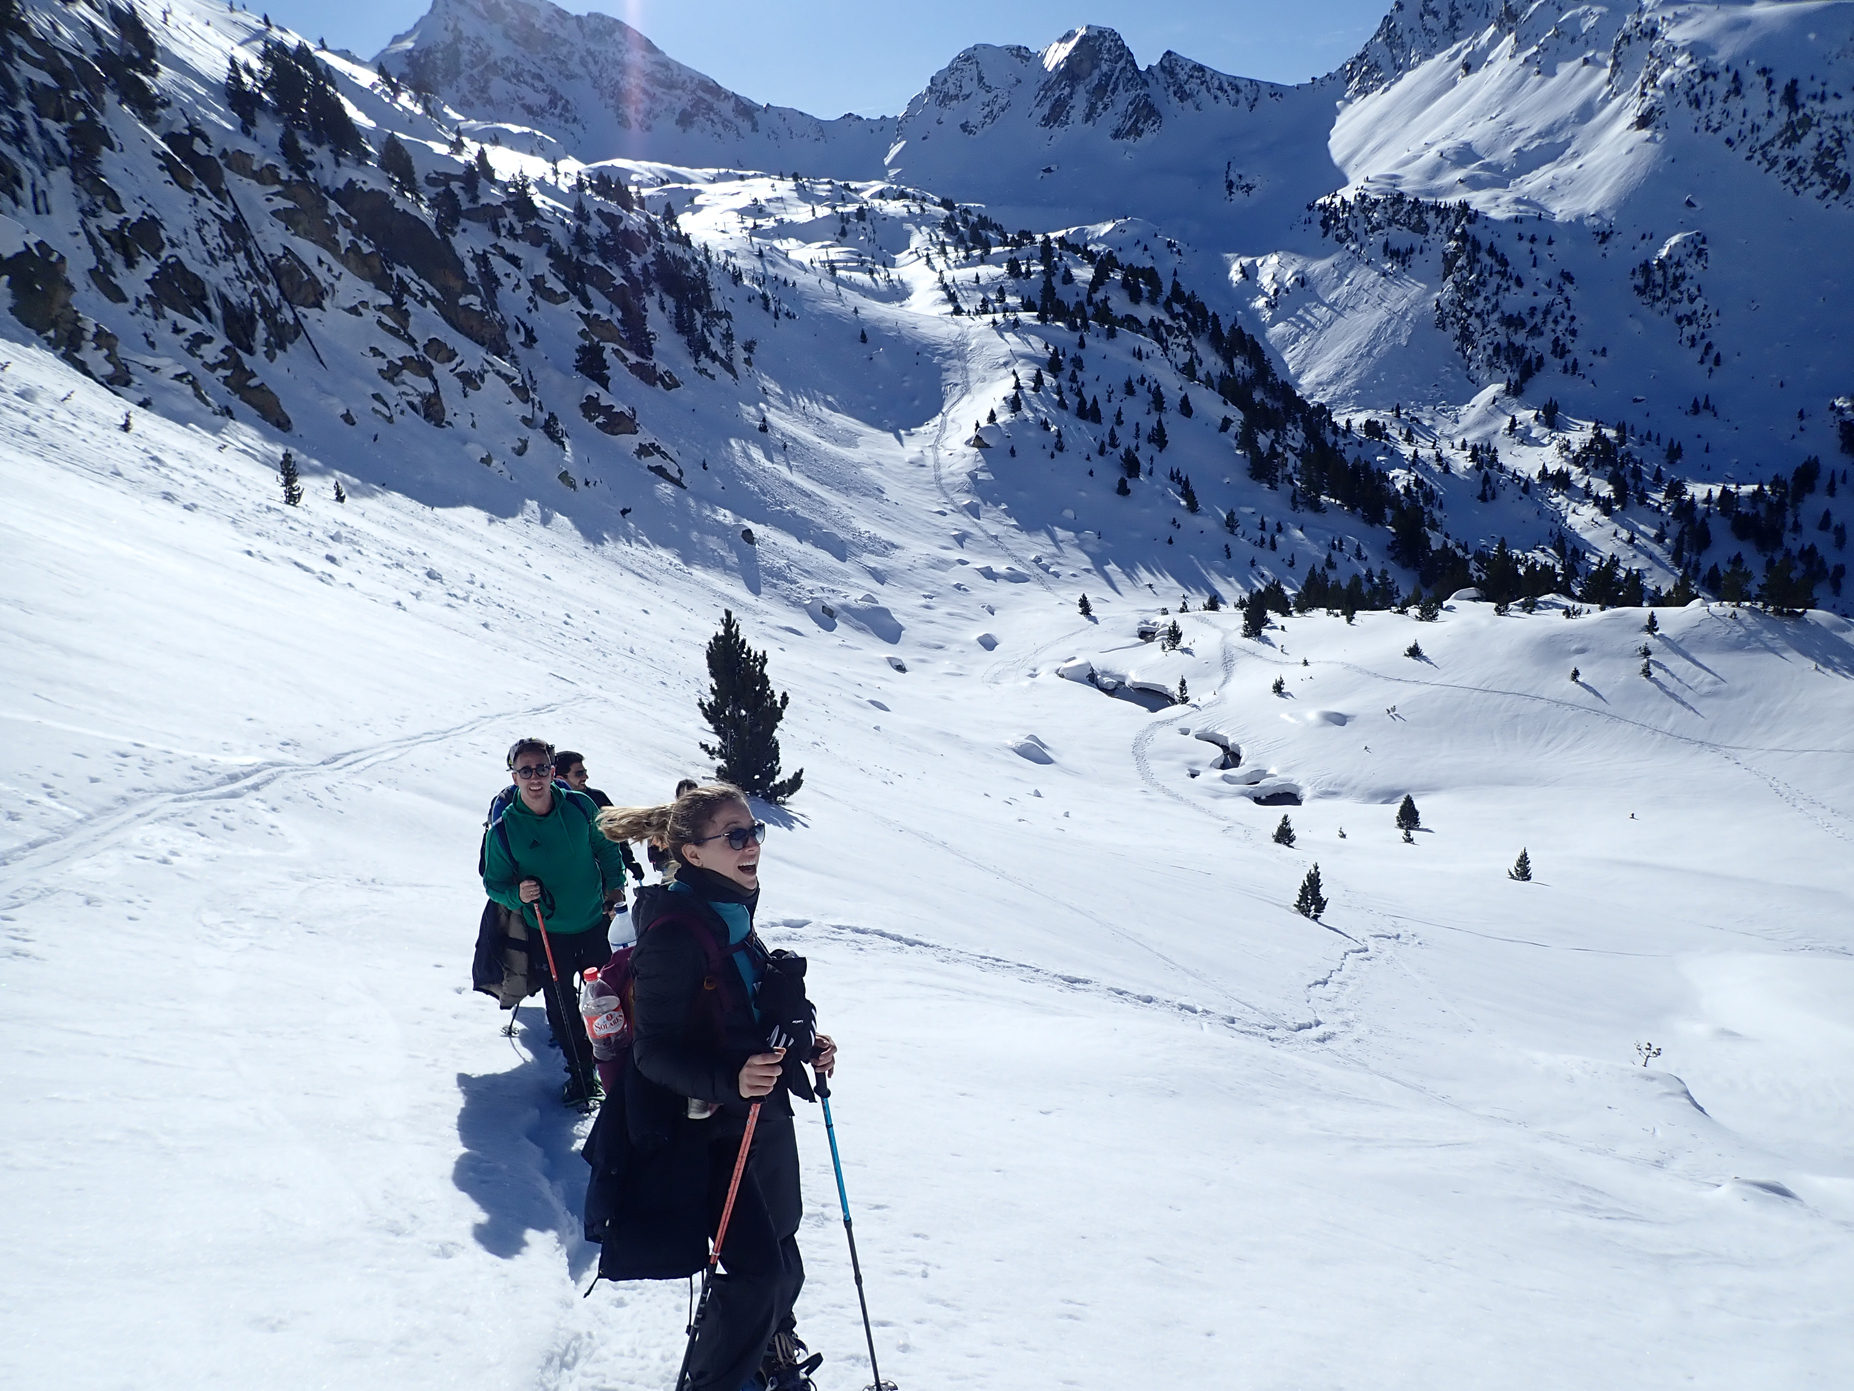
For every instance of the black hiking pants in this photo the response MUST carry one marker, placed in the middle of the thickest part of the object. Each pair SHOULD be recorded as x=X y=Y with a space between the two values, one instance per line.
x=761 y=1273
x=573 y=953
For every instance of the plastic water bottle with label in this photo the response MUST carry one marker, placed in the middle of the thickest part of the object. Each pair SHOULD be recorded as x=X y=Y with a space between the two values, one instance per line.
x=604 y=1016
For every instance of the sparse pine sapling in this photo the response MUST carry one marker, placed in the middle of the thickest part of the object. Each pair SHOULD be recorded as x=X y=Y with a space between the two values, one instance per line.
x=1408 y=818
x=1311 y=902
x=1087 y=609
x=1173 y=636
x=1284 y=833
x=1653 y=625
x=1522 y=868
x=1647 y=669
x=292 y=482
x=744 y=714
x=1184 y=692
x=1414 y=651
x=1280 y=686
x=341 y=493
x=1575 y=674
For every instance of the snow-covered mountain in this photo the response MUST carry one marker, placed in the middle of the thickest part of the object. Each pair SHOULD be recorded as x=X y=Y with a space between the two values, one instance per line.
x=594 y=87
x=548 y=419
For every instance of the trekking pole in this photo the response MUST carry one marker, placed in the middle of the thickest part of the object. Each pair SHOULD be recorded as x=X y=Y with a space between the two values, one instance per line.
x=822 y=1088
x=565 y=1014
x=727 y=1212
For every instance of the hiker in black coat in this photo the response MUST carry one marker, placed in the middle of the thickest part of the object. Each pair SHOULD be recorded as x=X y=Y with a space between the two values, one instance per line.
x=707 y=997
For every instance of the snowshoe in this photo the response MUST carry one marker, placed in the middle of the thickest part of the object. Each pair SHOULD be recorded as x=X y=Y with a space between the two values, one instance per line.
x=786 y=1365
x=582 y=1093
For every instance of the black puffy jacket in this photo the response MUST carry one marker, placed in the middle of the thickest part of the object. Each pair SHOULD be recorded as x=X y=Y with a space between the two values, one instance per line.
x=694 y=1029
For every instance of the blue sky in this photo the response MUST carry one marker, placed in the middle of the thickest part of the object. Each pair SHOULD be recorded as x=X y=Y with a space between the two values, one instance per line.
x=829 y=56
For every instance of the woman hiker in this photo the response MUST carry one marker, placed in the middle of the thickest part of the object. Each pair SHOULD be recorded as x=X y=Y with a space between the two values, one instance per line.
x=709 y=1003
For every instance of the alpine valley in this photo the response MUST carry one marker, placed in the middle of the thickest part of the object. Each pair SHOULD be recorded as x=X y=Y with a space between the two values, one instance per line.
x=1143 y=479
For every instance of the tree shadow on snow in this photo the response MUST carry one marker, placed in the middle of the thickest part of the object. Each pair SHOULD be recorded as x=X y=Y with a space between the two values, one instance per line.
x=520 y=1162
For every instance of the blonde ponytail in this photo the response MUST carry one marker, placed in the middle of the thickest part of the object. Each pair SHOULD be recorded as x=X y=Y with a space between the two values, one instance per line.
x=672 y=825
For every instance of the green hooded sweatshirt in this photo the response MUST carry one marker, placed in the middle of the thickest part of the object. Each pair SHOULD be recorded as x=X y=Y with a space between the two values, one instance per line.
x=564 y=850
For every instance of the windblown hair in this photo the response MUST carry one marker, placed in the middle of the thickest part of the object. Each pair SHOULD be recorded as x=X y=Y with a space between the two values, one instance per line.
x=673 y=824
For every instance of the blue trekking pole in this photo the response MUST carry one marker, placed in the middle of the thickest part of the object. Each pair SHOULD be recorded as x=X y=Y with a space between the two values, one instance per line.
x=823 y=1091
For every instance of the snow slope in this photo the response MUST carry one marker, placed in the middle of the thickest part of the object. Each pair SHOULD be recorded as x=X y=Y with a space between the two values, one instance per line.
x=1111 y=1112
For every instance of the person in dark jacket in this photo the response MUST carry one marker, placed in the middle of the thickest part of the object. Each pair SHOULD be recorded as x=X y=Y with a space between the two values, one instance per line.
x=570 y=768
x=703 y=1012
x=546 y=852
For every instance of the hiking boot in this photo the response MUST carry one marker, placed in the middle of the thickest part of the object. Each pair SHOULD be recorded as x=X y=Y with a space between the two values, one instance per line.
x=582 y=1092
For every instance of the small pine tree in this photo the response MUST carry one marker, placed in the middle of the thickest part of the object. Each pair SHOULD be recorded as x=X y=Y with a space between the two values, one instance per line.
x=1284 y=833
x=590 y=362
x=744 y=714
x=1522 y=868
x=1255 y=615
x=1087 y=609
x=1173 y=636
x=1414 y=651
x=1408 y=818
x=1647 y=668
x=1311 y=902
x=292 y=483
x=1575 y=674
x=341 y=493
x=1280 y=686
x=1184 y=692
x=396 y=164
x=1653 y=625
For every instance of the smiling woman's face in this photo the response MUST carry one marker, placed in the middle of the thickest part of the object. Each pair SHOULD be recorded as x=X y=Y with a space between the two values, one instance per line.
x=714 y=853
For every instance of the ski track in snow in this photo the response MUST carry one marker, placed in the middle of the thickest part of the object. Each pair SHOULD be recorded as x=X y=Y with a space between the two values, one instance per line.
x=35 y=858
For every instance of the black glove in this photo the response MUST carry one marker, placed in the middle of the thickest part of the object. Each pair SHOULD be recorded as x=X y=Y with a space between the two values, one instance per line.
x=790 y=1020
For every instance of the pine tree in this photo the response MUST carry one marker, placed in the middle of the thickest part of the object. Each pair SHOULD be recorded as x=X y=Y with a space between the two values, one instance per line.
x=1522 y=868
x=591 y=363
x=1280 y=686
x=744 y=714
x=1173 y=636
x=1575 y=673
x=1414 y=651
x=1184 y=692
x=292 y=483
x=1408 y=819
x=1087 y=609
x=396 y=164
x=1254 y=613
x=242 y=97
x=1653 y=624
x=1284 y=833
x=341 y=493
x=1311 y=902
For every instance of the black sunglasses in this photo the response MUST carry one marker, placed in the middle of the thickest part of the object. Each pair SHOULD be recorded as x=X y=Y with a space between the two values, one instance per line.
x=540 y=770
x=739 y=837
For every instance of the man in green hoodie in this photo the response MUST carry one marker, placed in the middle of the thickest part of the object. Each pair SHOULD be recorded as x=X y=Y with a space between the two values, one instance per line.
x=545 y=855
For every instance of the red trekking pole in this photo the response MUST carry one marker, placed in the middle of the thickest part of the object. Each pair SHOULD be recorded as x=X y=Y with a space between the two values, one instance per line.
x=714 y=1257
x=566 y=1015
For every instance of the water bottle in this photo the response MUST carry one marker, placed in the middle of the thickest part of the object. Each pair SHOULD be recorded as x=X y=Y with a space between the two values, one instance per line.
x=605 y=1025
